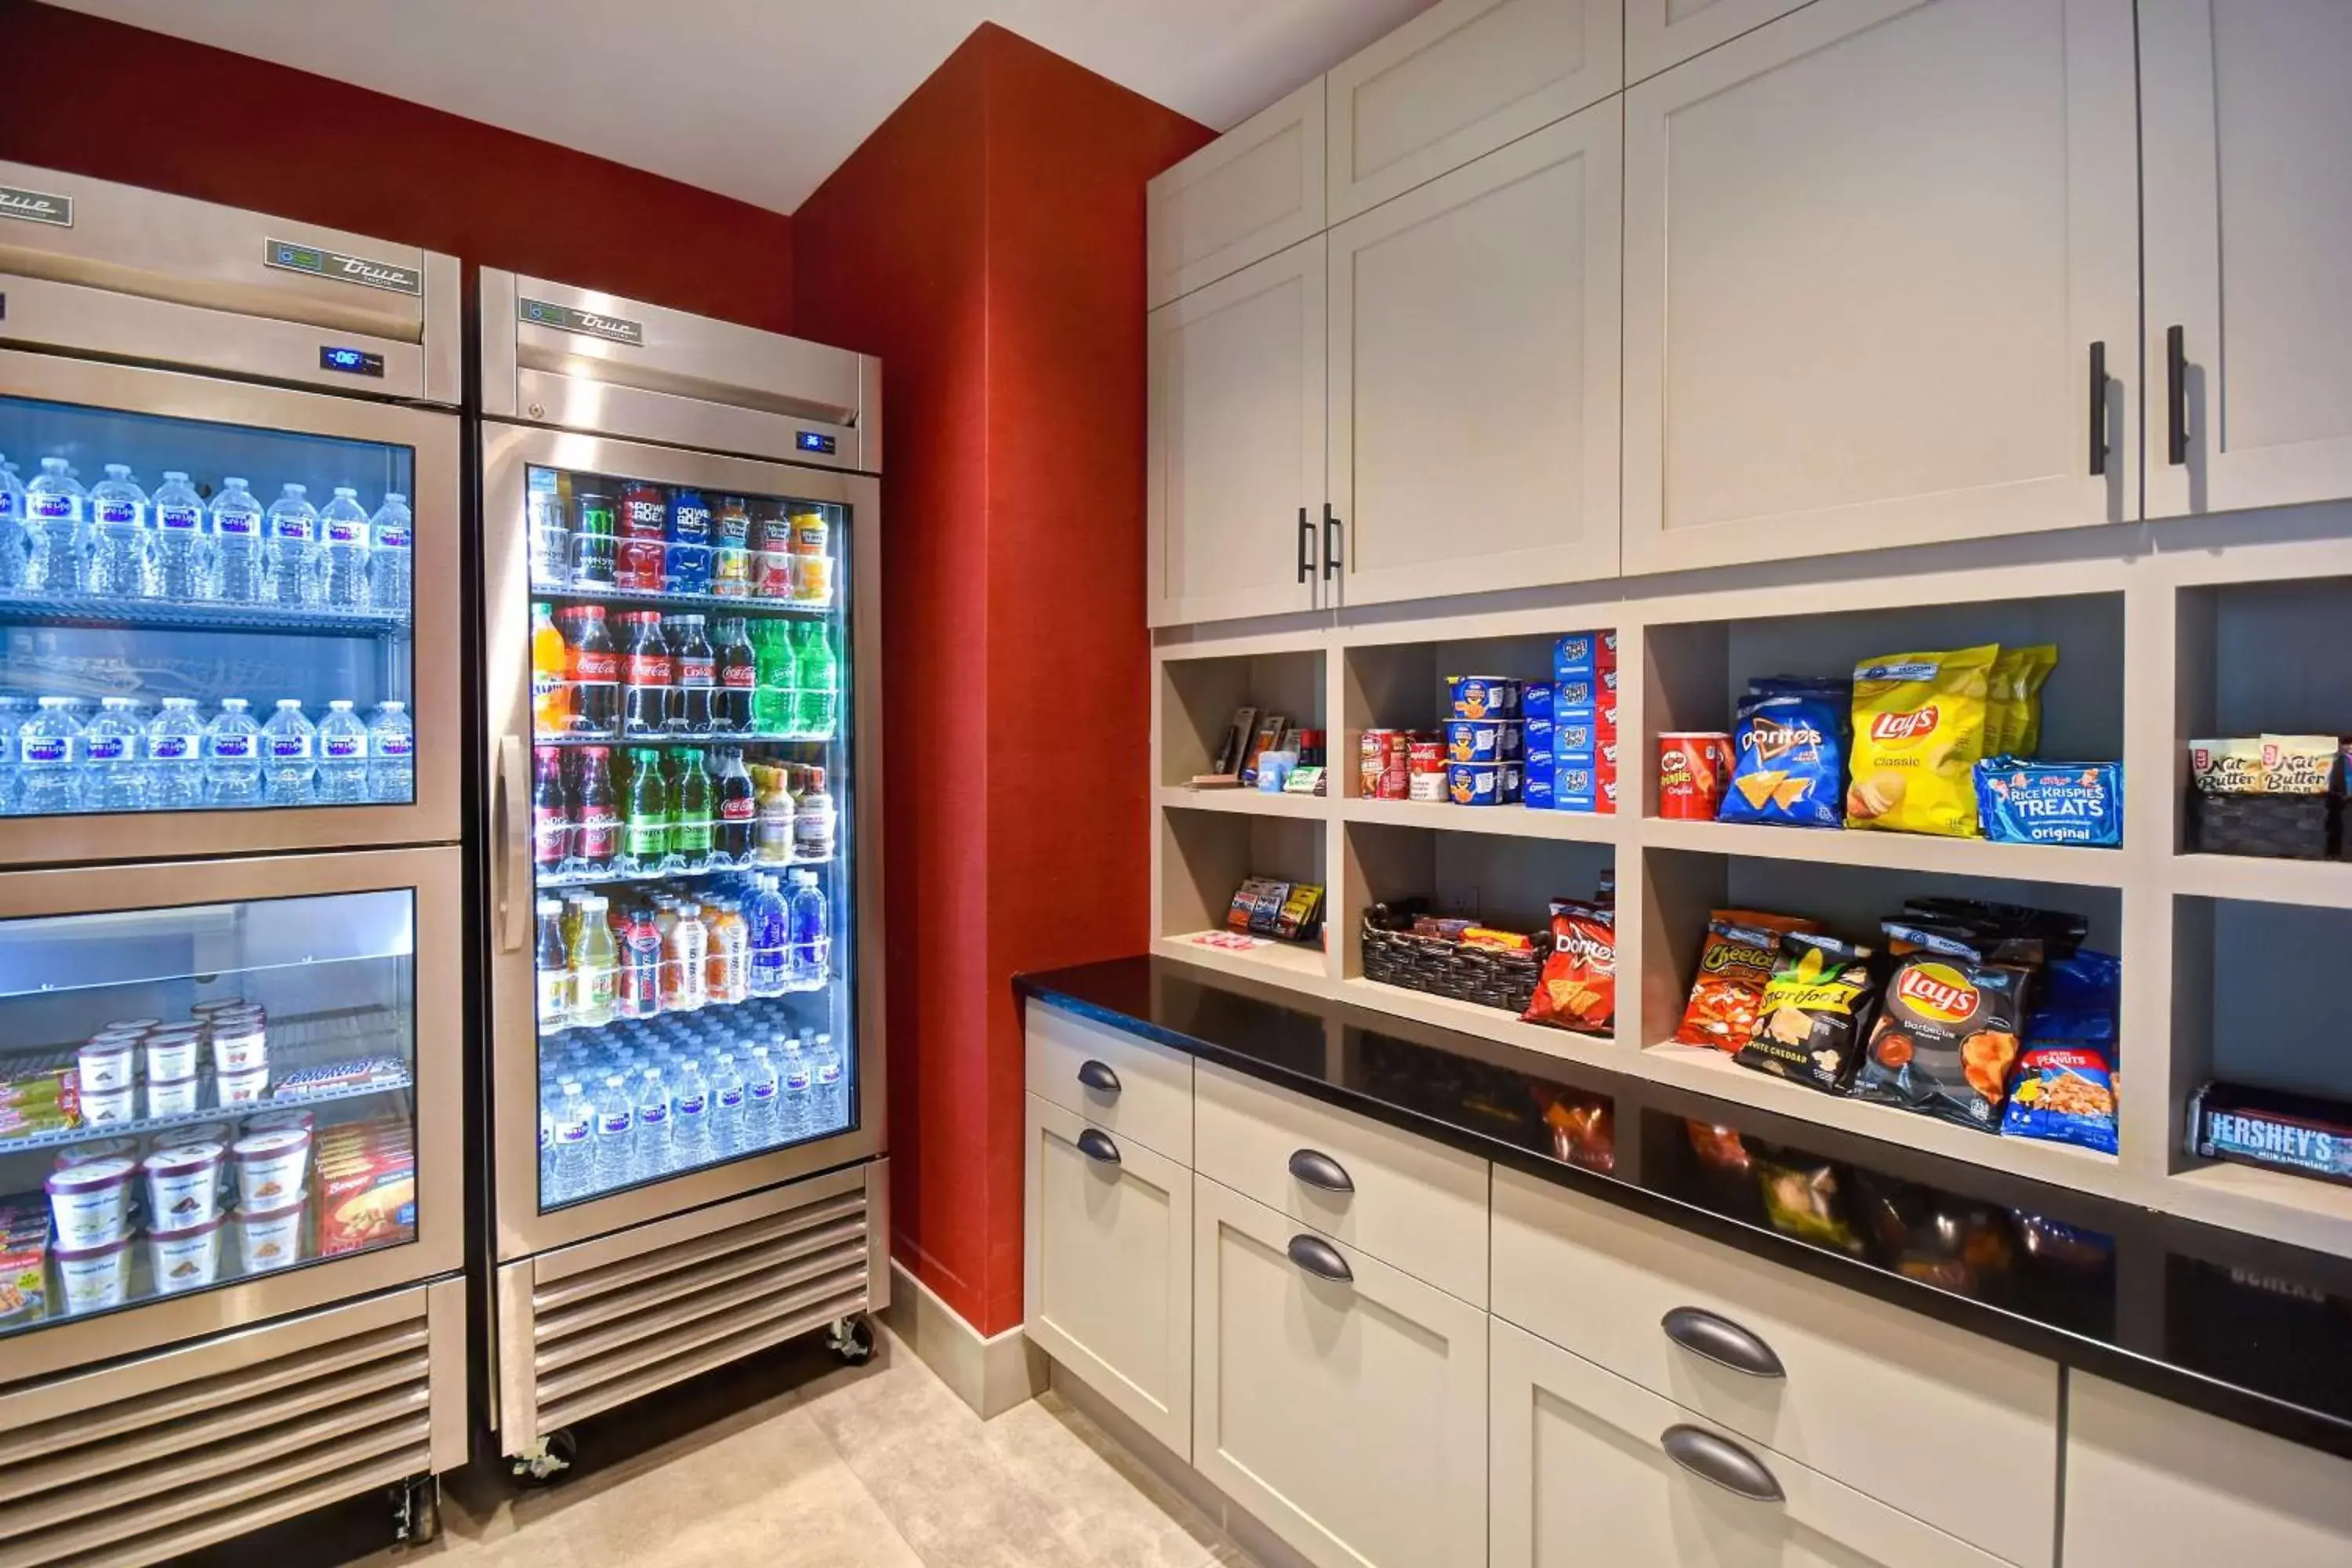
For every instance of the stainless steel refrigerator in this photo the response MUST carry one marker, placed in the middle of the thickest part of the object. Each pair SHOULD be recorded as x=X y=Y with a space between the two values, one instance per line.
x=231 y=885
x=683 y=556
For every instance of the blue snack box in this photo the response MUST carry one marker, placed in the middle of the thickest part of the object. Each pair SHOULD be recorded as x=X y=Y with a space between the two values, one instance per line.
x=1536 y=790
x=1583 y=655
x=1484 y=695
x=1482 y=784
x=1536 y=700
x=1575 y=786
x=2019 y=802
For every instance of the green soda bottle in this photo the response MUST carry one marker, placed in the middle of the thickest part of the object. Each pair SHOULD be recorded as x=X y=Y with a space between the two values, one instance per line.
x=645 y=823
x=775 y=698
x=815 y=711
x=689 y=836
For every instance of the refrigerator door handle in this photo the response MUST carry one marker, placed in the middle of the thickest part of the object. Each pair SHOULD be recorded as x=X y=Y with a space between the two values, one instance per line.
x=511 y=846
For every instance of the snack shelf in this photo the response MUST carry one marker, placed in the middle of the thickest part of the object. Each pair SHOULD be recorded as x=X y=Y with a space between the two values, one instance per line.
x=1279 y=963
x=1247 y=802
x=2320 y=884
x=1508 y=821
x=546 y=879
x=2303 y=1210
x=644 y=599
x=158 y=614
x=1474 y=1018
x=140 y=1127
x=776 y=738
x=1920 y=852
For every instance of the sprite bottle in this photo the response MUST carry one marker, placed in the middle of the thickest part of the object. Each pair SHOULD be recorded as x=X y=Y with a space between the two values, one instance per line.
x=695 y=803
x=645 y=823
x=819 y=697
x=774 y=700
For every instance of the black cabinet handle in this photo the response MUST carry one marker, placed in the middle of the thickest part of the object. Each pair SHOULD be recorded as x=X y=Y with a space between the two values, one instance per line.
x=1317 y=1169
x=1097 y=1146
x=1320 y=1258
x=1305 y=541
x=2175 y=397
x=2098 y=408
x=1720 y=1462
x=1330 y=543
x=1097 y=1076
x=1721 y=1341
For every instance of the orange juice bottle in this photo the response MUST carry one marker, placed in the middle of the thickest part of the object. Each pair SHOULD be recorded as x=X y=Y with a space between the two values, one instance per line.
x=551 y=692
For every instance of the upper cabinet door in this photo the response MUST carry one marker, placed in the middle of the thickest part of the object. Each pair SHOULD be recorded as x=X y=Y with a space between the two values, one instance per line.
x=1253 y=191
x=1661 y=33
x=1474 y=372
x=1234 y=470
x=1873 y=251
x=1458 y=82
x=2248 y=120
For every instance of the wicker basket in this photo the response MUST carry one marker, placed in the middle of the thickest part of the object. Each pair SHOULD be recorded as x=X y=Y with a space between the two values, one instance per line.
x=1442 y=968
x=2282 y=826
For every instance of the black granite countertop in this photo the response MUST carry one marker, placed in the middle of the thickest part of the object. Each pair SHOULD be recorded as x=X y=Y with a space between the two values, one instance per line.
x=2250 y=1331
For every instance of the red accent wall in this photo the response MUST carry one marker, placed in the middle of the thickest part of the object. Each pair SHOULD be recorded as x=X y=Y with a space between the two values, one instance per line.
x=987 y=241
x=148 y=110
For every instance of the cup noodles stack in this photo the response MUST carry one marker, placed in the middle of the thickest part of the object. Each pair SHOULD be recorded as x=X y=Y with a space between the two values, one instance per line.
x=1572 y=727
x=364 y=1177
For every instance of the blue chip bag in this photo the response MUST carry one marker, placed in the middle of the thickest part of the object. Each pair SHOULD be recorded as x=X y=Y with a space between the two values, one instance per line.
x=2020 y=801
x=1788 y=755
x=2077 y=997
x=2062 y=1093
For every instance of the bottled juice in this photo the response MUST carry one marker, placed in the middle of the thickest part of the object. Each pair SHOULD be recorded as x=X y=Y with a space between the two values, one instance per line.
x=551 y=685
x=596 y=962
x=553 y=961
x=732 y=568
x=685 y=955
x=728 y=973
x=776 y=811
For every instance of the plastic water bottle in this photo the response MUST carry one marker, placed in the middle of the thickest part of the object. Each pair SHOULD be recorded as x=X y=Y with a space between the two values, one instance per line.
x=771 y=923
x=15 y=551
x=690 y=1117
x=391 y=755
x=291 y=556
x=118 y=534
x=342 y=756
x=655 y=1151
x=811 y=948
x=113 y=776
x=830 y=1097
x=391 y=529
x=241 y=573
x=52 y=514
x=176 y=756
x=615 y=1160
x=14 y=714
x=575 y=1138
x=233 y=755
x=797 y=1112
x=763 y=1113
x=288 y=744
x=49 y=758
x=182 y=564
x=728 y=1106
x=343 y=551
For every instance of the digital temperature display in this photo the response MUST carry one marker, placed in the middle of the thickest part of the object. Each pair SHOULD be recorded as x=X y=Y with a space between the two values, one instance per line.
x=350 y=362
x=814 y=441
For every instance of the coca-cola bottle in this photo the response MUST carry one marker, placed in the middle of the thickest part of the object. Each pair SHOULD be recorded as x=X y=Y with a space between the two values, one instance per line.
x=647 y=675
x=739 y=675
x=694 y=673
x=594 y=667
x=596 y=812
x=735 y=818
x=550 y=811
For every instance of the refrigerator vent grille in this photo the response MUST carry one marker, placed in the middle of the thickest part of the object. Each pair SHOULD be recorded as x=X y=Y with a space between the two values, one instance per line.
x=145 y=1477
x=609 y=1334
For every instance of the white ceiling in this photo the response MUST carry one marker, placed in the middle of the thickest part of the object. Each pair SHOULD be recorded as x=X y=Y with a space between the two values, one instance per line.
x=757 y=99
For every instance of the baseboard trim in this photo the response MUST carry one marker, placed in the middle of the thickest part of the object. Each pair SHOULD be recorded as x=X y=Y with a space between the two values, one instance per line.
x=992 y=1374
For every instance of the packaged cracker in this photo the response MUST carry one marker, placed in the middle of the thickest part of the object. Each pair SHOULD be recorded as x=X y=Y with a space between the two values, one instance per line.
x=1733 y=966
x=1918 y=734
x=1815 y=1011
x=2065 y=1093
x=2050 y=802
x=1789 y=746
x=1577 y=987
x=1947 y=1031
x=2299 y=764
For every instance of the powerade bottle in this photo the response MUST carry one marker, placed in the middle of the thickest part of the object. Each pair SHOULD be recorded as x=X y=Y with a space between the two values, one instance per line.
x=391 y=533
x=15 y=547
x=343 y=553
x=687 y=562
x=53 y=512
x=243 y=576
x=184 y=566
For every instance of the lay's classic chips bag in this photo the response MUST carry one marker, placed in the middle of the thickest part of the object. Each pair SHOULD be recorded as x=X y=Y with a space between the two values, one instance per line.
x=1919 y=721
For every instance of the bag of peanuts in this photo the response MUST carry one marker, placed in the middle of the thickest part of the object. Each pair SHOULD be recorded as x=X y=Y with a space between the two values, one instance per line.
x=1919 y=730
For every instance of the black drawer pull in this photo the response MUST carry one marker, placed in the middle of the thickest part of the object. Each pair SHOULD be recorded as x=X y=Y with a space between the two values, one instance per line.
x=1306 y=542
x=1720 y=1462
x=2175 y=397
x=1097 y=1076
x=1317 y=1169
x=2098 y=408
x=1721 y=1341
x=1097 y=1145
x=1320 y=1258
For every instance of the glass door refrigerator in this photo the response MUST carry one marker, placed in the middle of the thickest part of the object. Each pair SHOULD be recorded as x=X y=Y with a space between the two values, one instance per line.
x=232 y=945
x=682 y=543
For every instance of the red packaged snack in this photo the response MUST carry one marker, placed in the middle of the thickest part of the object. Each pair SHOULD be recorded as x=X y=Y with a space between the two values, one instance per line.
x=1734 y=967
x=1577 y=987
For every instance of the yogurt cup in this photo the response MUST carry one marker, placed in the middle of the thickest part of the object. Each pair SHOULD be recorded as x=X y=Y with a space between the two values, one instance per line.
x=110 y=1105
x=90 y=1203
x=181 y=1137
x=106 y=1063
x=270 y=1238
x=93 y=1279
x=184 y=1259
x=98 y=1149
x=240 y=1044
x=172 y=1054
x=184 y=1186
x=174 y=1096
x=240 y=1087
x=270 y=1166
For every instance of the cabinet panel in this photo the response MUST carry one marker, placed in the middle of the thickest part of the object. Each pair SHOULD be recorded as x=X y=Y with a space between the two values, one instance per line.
x=2149 y=1481
x=1235 y=457
x=1109 y=1267
x=1349 y=1417
x=1120 y=1082
x=1457 y=81
x=1661 y=33
x=1474 y=372
x=1253 y=191
x=1869 y=248
x=1582 y=1476
x=2248 y=226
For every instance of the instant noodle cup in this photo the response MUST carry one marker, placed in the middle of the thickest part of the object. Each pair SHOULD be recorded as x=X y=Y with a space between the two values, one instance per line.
x=272 y=1238
x=184 y=1186
x=174 y=1096
x=91 y=1203
x=172 y=1054
x=240 y=1087
x=1691 y=765
x=110 y=1105
x=185 y=1259
x=93 y=1279
x=270 y=1166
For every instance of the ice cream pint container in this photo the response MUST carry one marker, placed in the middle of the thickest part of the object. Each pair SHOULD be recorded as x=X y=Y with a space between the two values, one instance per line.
x=90 y=1203
x=184 y=1259
x=184 y=1186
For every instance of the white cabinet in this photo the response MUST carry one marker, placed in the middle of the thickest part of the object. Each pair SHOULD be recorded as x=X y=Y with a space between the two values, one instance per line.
x=1109 y=1267
x=1253 y=191
x=2149 y=1482
x=1592 y=1470
x=1661 y=33
x=1457 y=81
x=1234 y=490
x=2249 y=187
x=1340 y=1401
x=1869 y=248
x=1474 y=372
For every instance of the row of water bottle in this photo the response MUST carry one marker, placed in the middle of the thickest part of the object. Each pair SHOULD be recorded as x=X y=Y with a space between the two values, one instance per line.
x=653 y=1103
x=56 y=755
x=114 y=541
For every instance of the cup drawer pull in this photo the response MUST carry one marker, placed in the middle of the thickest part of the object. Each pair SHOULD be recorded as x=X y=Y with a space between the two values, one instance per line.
x=1320 y=1258
x=1317 y=1169
x=1097 y=1076
x=1720 y=1462
x=1097 y=1145
x=1721 y=1341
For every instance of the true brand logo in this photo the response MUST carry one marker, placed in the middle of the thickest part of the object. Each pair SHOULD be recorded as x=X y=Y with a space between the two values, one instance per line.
x=333 y=265
x=587 y=323
x=35 y=207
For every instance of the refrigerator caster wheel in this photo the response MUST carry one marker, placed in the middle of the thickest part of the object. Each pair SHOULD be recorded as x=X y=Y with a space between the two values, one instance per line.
x=417 y=1510
x=852 y=1340
x=545 y=1461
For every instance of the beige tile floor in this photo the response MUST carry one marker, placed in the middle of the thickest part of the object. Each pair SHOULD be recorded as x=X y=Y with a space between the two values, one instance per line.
x=794 y=1462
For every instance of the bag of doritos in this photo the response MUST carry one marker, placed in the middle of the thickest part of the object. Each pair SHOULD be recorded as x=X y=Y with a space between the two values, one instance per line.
x=1918 y=732
x=1577 y=987
x=1789 y=762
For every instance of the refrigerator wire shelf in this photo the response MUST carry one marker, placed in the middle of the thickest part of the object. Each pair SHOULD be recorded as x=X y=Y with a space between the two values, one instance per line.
x=647 y=599
x=162 y=615
x=547 y=879
x=778 y=737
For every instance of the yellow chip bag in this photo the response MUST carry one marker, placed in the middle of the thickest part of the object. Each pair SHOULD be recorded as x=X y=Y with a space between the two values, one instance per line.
x=2039 y=662
x=1919 y=722
x=2005 y=693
